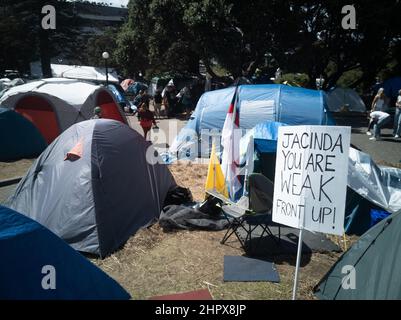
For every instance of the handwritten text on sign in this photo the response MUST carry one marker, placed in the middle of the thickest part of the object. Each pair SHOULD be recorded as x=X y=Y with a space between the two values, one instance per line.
x=311 y=177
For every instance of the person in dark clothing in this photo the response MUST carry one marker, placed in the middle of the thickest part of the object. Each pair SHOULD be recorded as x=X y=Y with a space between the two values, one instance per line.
x=169 y=99
x=138 y=99
x=157 y=103
x=145 y=98
x=146 y=119
x=186 y=100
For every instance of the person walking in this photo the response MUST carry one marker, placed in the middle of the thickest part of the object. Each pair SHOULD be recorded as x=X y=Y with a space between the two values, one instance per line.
x=185 y=98
x=138 y=99
x=157 y=100
x=379 y=102
x=146 y=119
x=397 y=117
x=169 y=99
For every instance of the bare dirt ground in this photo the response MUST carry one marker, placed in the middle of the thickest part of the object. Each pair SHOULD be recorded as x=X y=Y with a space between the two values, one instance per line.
x=9 y=170
x=156 y=263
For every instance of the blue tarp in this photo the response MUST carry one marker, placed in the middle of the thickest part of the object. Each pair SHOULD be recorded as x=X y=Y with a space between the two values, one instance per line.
x=117 y=94
x=257 y=103
x=136 y=87
x=27 y=247
x=19 y=138
x=265 y=136
x=371 y=189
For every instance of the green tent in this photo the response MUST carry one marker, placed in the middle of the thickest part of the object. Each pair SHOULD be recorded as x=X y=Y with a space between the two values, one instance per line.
x=376 y=259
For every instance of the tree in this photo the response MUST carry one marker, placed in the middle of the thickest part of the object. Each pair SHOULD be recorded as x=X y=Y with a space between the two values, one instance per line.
x=299 y=36
x=15 y=44
x=24 y=40
x=326 y=49
x=96 y=45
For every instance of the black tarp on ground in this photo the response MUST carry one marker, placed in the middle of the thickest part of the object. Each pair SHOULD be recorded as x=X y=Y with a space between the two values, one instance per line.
x=184 y=217
x=376 y=259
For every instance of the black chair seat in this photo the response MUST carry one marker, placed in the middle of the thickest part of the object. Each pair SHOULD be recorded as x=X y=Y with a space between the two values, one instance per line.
x=258 y=214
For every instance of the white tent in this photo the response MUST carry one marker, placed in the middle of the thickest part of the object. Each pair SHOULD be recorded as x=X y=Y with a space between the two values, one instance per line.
x=76 y=72
x=345 y=97
x=55 y=104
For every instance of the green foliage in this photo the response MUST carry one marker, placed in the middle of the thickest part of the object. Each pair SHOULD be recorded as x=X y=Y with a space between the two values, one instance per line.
x=230 y=36
x=22 y=38
x=16 y=45
x=295 y=79
x=348 y=78
x=299 y=36
x=96 y=45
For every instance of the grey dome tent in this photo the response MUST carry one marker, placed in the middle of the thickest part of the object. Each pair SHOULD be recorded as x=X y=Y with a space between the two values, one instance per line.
x=93 y=186
x=376 y=259
x=339 y=98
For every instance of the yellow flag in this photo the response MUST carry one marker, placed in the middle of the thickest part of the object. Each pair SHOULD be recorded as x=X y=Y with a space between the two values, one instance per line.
x=215 y=178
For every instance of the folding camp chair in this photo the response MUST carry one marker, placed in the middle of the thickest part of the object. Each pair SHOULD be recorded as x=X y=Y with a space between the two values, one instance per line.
x=258 y=214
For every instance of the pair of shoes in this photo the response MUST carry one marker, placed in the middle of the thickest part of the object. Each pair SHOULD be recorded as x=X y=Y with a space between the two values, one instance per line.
x=368 y=133
x=375 y=138
x=396 y=136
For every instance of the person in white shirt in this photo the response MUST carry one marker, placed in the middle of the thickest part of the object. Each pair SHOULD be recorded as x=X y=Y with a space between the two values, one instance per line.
x=379 y=119
x=397 y=117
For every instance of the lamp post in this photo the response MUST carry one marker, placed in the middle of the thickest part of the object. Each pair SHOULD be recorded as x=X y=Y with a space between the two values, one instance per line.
x=106 y=56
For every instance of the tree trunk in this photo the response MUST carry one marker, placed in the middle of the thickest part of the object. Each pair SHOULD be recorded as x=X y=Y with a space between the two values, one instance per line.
x=332 y=80
x=253 y=65
x=44 y=50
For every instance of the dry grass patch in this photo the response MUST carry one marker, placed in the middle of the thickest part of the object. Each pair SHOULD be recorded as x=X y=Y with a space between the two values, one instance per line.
x=154 y=263
x=15 y=169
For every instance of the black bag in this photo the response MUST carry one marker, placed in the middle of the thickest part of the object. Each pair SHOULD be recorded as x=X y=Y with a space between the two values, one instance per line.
x=177 y=196
x=211 y=206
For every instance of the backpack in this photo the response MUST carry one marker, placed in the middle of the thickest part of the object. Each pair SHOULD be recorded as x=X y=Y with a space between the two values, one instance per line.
x=178 y=195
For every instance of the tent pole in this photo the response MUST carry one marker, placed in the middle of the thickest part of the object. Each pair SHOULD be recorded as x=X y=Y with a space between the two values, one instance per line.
x=299 y=254
x=214 y=167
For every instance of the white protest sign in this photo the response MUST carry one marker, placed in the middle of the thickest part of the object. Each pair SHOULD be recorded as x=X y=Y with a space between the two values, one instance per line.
x=311 y=177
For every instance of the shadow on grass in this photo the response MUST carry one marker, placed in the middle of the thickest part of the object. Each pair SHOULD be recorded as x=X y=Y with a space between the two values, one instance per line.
x=282 y=252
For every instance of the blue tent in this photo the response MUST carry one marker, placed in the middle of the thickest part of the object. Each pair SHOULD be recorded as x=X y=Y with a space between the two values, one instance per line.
x=28 y=249
x=392 y=86
x=19 y=137
x=265 y=135
x=257 y=103
x=134 y=88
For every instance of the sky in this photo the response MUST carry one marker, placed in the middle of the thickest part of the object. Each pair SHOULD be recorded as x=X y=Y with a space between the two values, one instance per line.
x=114 y=3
